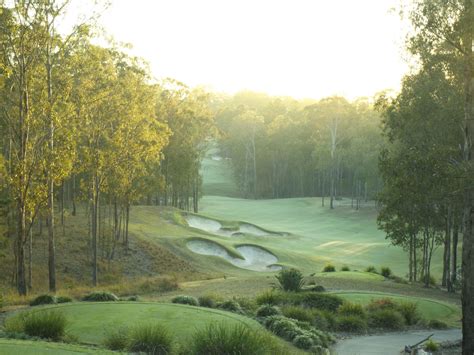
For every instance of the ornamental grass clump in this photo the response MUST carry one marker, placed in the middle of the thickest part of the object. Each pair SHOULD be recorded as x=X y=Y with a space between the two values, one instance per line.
x=290 y=280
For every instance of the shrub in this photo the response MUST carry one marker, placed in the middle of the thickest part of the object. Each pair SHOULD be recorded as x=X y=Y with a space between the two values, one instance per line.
x=322 y=301
x=46 y=324
x=220 y=339
x=285 y=328
x=209 y=301
x=352 y=324
x=431 y=281
x=317 y=288
x=352 y=309
x=231 y=306
x=248 y=305
x=182 y=299
x=100 y=296
x=150 y=338
x=63 y=299
x=116 y=339
x=133 y=298
x=387 y=319
x=345 y=268
x=320 y=320
x=409 y=311
x=303 y=341
x=290 y=280
x=329 y=268
x=431 y=346
x=298 y=313
x=267 y=310
x=371 y=269
x=385 y=271
x=43 y=299
x=330 y=320
x=437 y=324
x=268 y=297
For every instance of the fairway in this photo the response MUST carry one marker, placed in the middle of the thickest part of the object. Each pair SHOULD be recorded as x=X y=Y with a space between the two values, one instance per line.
x=429 y=309
x=90 y=321
x=24 y=347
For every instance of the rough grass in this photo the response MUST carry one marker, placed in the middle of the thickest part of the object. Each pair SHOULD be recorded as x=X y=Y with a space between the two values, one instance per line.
x=27 y=347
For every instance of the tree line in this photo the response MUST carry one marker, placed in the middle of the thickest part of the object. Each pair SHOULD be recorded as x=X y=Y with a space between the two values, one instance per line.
x=427 y=164
x=280 y=147
x=86 y=124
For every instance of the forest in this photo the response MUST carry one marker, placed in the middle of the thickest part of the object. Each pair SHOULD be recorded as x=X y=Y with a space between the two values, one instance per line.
x=86 y=129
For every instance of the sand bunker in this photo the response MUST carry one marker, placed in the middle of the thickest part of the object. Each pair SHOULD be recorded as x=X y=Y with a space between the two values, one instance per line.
x=214 y=227
x=256 y=259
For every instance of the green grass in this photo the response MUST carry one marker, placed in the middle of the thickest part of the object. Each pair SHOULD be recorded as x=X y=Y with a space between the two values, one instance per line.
x=429 y=309
x=89 y=321
x=26 y=347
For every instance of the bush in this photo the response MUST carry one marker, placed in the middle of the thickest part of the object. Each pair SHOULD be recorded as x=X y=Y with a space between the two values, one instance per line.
x=298 y=313
x=182 y=299
x=322 y=301
x=409 y=311
x=330 y=319
x=385 y=271
x=352 y=309
x=209 y=301
x=329 y=268
x=63 y=299
x=320 y=320
x=248 y=305
x=303 y=341
x=437 y=324
x=231 y=306
x=151 y=339
x=133 y=298
x=290 y=280
x=46 y=324
x=371 y=269
x=116 y=339
x=285 y=328
x=345 y=268
x=352 y=324
x=268 y=297
x=100 y=296
x=267 y=310
x=317 y=288
x=43 y=299
x=386 y=319
x=221 y=339
x=431 y=346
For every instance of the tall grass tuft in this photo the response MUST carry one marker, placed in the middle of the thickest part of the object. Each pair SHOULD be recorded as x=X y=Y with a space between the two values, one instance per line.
x=223 y=339
x=150 y=339
x=116 y=339
x=45 y=324
x=290 y=280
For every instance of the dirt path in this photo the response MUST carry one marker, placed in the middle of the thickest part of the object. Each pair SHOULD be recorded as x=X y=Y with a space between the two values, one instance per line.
x=389 y=344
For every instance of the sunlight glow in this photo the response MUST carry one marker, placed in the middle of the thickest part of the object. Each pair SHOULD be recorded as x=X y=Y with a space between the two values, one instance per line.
x=299 y=48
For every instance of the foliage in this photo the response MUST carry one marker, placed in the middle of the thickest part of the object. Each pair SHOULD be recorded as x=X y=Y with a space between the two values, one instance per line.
x=100 y=296
x=385 y=271
x=209 y=301
x=345 y=268
x=329 y=268
x=321 y=301
x=381 y=304
x=63 y=299
x=290 y=280
x=268 y=297
x=352 y=324
x=409 y=311
x=352 y=309
x=183 y=299
x=217 y=339
x=116 y=339
x=371 y=269
x=150 y=338
x=437 y=324
x=298 y=313
x=303 y=341
x=386 y=319
x=268 y=310
x=45 y=324
x=231 y=306
x=431 y=346
x=43 y=299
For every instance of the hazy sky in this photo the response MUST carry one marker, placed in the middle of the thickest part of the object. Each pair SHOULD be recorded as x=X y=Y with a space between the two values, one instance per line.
x=300 y=48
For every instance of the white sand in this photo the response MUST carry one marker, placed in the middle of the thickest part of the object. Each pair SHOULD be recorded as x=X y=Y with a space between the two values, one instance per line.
x=256 y=258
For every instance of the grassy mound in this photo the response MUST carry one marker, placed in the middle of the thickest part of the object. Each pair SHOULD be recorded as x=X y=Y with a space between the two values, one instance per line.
x=89 y=322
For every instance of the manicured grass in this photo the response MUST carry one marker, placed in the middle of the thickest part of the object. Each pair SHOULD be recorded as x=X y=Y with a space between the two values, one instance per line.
x=352 y=275
x=26 y=347
x=429 y=309
x=89 y=321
